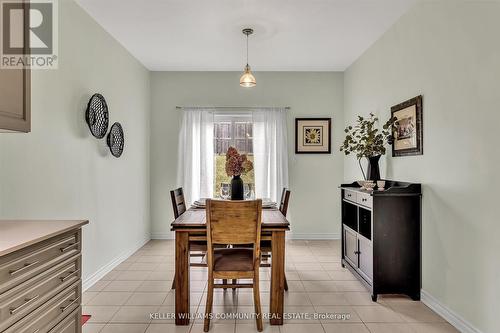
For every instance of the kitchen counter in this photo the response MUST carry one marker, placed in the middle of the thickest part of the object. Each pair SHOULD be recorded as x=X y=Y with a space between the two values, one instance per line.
x=18 y=234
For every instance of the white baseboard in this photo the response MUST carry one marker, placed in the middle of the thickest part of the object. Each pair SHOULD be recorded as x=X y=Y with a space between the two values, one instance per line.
x=101 y=272
x=162 y=235
x=312 y=236
x=450 y=316
x=290 y=235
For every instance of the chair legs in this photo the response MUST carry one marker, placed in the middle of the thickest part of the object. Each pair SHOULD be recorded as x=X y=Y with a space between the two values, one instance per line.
x=256 y=302
x=208 y=307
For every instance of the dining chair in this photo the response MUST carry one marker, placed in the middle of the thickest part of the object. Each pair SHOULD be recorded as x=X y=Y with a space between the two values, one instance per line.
x=237 y=223
x=266 y=245
x=196 y=248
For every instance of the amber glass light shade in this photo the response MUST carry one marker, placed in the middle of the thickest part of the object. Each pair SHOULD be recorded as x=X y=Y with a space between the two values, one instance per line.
x=247 y=80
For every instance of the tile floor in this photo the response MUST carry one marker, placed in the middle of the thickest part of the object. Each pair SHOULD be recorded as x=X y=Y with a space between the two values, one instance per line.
x=123 y=300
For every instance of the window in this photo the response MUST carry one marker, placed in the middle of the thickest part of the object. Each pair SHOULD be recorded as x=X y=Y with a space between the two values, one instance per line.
x=231 y=131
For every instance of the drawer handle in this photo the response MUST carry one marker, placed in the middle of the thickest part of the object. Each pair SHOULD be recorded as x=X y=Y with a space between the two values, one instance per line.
x=25 y=267
x=363 y=199
x=64 y=308
x=64 y=278
x=27 y=302
x=67 y=248
x=357 y=252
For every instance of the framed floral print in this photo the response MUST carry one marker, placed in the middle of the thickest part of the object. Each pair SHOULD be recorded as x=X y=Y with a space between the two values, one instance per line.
x=313 y=135
x=408 y=130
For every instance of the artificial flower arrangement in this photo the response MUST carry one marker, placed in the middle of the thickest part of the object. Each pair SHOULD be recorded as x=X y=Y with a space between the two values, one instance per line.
x=237 y=164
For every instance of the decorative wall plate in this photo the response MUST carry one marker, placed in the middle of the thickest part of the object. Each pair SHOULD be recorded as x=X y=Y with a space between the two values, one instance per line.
x=116 y=140
x=97 y=116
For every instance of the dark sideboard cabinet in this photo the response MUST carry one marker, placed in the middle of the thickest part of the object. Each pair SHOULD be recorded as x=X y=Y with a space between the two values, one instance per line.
x=381 y=237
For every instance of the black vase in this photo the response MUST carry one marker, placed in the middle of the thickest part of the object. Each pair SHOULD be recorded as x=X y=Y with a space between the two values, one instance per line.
x=237 y=188
x=373 y=172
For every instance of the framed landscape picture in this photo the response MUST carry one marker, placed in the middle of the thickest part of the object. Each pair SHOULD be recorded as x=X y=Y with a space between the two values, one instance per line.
x=313 y=135
x=408 y=133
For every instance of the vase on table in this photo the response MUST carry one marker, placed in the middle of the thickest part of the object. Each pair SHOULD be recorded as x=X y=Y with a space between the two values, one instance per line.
x=236 y=188
x=373 y=172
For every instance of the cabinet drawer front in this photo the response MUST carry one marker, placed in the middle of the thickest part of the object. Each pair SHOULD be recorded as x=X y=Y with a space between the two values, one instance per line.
x=350 y=195
x=26 y=263
x=18 y=302
x=71 y=324
x=45 y=318
x=364 y=199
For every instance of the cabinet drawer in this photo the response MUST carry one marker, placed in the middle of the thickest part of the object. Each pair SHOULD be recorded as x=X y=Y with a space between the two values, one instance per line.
x=350 y=195
x=51 y=314
x=364 y=199
x=21 y=300
x=71 y=324
x=26 y=263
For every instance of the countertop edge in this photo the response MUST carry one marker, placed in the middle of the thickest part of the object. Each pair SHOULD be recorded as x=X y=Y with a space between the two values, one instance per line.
x=77 y=224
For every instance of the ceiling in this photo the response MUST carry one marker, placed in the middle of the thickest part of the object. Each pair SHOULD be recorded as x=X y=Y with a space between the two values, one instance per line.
x=205 y=35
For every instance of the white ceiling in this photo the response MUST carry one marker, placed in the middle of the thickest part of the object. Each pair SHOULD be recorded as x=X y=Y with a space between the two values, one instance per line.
x=290 y=35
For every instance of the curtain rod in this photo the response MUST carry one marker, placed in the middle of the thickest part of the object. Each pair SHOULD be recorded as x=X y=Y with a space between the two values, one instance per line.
x=230 y=107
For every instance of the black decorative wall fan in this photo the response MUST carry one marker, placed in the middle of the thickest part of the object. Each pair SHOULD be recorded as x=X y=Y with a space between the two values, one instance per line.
x=116 y=140
x=97 y=116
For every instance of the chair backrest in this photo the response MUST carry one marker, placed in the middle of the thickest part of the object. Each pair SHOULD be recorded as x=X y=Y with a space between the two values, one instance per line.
x=178 y=203
x=234 y=222
x=285 y=197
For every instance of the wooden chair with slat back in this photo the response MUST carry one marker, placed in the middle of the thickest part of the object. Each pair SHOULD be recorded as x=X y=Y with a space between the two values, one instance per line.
x=285 y=197
x=237 y=223
x=178 y=203
x=196 y=248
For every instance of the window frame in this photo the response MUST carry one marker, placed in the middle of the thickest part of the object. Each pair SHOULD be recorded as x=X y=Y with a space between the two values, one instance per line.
x=234 y=118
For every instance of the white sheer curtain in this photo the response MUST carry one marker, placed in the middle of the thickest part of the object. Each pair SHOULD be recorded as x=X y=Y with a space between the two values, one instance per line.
x=270 y=150
x=196 y=154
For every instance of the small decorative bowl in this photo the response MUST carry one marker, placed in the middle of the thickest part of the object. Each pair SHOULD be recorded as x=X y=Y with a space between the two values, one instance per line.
x=369 y=186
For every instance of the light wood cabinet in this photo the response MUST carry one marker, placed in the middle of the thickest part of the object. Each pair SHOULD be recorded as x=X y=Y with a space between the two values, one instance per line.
x=15 y=94
x=40 y=283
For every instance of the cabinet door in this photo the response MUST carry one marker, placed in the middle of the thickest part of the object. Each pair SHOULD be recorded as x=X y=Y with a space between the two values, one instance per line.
x=351 y=247
x=366 y=257
x=15 y=94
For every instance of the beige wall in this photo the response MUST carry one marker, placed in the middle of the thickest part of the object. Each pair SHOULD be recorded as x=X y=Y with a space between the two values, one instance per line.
x=449 y=51
x=60 y=171
x=314 y=203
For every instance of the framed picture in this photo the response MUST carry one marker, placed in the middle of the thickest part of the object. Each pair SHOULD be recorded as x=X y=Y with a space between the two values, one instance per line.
x=313 y=135
x=408 y=134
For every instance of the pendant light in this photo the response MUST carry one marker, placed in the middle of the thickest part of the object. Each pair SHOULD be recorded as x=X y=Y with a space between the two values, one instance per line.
x=247 y=80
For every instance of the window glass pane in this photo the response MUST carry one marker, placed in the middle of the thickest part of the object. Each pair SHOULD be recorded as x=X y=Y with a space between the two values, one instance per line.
x=249 y=130
x=250 y=146
x=241 y=146
x=221 y=146
x=240 y=130
x=222 y=130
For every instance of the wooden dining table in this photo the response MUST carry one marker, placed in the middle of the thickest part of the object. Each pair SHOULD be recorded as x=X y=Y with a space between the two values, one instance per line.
x=191 y=226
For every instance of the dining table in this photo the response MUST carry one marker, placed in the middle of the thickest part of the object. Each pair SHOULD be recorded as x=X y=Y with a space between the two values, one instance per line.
x=191 y=226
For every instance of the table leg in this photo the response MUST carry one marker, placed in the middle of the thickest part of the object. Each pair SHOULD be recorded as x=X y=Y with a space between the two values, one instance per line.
x=277 y=277
x=182 y=309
